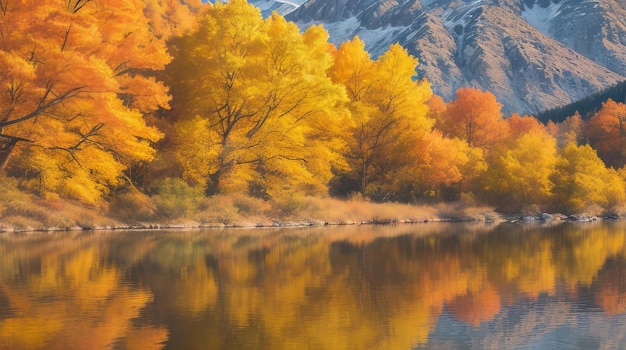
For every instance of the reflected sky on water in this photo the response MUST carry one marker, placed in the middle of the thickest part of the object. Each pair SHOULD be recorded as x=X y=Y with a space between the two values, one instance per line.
x=418 y=286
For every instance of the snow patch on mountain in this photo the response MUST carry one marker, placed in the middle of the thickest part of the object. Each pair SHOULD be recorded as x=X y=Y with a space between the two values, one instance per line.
x=377 y=41
x=541 y=17
x=282 y=7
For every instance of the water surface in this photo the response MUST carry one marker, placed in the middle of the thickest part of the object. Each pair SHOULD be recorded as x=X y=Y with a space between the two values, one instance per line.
x=421 y=286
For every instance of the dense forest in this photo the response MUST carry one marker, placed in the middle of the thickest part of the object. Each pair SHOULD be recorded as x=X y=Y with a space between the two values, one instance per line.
x=587 y=106
x=146 y=109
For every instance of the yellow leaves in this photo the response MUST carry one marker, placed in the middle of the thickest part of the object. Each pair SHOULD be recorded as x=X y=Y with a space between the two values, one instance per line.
x=389 y=113
x=583 y=181
x=353 y=68
x=196 y=150
x=73 y=300
x=268 y=106
x=521 y=171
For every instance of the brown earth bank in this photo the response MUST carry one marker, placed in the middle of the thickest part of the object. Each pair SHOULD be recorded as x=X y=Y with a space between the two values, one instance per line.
x=240 y=212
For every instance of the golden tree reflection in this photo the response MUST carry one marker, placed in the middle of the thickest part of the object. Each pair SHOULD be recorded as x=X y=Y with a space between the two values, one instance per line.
x=342 y=288
x=68 y=297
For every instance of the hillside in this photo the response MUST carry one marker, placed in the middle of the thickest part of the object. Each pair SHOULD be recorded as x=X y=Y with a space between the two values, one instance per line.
x=533 y=55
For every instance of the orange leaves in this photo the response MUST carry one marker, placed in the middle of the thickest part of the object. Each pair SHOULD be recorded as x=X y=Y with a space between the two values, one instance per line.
x=78 y=79
x=474 y=116
x=16 y=69
x=607 y=133
x=476 y=307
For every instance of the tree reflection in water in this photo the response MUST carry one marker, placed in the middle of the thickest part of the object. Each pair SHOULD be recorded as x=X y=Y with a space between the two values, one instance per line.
x=395 y=287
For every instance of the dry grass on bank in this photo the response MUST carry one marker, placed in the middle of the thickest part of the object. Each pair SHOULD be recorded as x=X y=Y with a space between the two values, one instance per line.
x=25 y=212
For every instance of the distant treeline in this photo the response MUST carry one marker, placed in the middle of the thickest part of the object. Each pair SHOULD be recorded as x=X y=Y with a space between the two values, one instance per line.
x=587 y=106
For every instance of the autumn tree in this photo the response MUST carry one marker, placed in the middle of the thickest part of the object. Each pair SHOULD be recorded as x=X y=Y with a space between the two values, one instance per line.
x=76 y=83
x=441 y=165
x=519 y=172
x=389 y=114
x=607 y=133
x=474 y=116
x=519 y=125
x=256 y=111
x=582 y=181
x=170 y=18
x=569 y=130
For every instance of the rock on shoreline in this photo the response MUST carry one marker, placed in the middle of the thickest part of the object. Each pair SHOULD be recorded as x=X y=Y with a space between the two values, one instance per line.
x=484 y=217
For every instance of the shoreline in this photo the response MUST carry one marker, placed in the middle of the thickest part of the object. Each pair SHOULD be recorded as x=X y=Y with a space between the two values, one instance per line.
x=490 y=218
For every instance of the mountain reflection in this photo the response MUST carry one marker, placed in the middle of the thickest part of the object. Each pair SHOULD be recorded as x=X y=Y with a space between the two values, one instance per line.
x=362 y=287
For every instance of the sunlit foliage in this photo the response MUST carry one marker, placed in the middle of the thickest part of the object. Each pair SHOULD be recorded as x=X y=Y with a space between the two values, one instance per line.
x=607 y=133
x=389 y=115
x=519 y=173
x=252 y=106
x=474 y=116
x=256 y=111
x=582 y=181
x=77 y=81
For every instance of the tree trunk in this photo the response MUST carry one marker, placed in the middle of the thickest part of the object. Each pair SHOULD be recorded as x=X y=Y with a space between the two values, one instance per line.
x=7 y=143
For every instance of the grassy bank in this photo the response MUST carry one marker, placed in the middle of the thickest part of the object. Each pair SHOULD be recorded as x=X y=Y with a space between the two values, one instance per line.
x=24 y=212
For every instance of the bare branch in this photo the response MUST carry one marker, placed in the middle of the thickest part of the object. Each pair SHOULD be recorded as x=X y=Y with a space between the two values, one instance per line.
x=4 y=4
x=76 y=5
x=67 y=34
x=43 y=105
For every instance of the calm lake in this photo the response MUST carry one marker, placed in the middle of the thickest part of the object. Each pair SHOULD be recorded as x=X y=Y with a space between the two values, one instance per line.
x=413 y=286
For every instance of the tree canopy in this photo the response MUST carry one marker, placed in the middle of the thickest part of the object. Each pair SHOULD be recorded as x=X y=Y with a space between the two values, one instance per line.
x=76 y=83
x=227 y=102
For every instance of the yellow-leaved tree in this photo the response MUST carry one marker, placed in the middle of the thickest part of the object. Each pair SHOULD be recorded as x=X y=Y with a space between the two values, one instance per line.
x=256 y=111
x=76 y=83
x=583 y=182
x=389 y=116
x=520 y=170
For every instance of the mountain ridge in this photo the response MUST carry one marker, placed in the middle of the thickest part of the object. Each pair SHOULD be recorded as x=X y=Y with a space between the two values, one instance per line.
x=533 y=55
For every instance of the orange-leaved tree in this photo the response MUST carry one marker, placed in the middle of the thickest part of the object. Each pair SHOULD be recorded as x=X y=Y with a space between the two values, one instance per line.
x=76 y=79
x=474 y=116
x=607 y=133
x=256 y=110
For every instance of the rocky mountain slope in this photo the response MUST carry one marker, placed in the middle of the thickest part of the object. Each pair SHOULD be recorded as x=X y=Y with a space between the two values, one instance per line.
x=532 y=54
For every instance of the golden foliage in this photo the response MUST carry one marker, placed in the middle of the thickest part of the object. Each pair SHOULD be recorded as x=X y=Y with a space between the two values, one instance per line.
x=474 y=116
x=389 y=112
x=583 y=181
x=77 y=83
x=260 y=106
x=520 y=170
